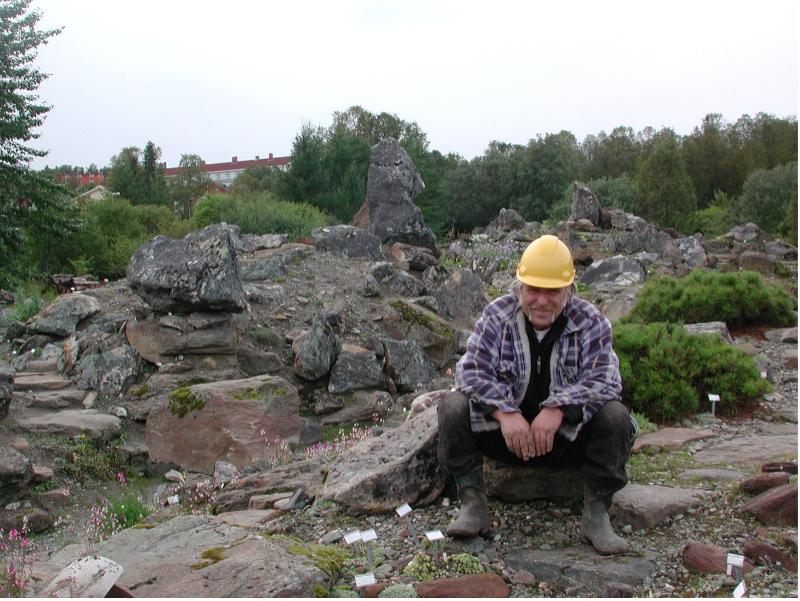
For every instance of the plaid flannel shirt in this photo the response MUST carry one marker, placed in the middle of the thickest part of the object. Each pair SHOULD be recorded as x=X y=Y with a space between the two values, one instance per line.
x=495 y=371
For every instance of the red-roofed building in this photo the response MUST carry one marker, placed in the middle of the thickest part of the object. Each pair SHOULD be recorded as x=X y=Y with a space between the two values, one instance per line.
x=81 y=179
x=223 y=174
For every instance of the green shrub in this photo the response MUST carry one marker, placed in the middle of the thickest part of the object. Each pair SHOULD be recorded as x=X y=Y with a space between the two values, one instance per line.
x=127 y=511
x=668 y=373
x=259 y=214
x=83 y=459
x=735 y=298
x=31 y=297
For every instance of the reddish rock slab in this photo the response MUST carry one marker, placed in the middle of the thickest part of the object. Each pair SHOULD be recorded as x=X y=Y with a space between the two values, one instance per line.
x=776 y=507
x=790 y=467
x=470 y=586
x=755 y=485
x=758 y=551
x=371 y=591
x=670 y=439
x=701 y=558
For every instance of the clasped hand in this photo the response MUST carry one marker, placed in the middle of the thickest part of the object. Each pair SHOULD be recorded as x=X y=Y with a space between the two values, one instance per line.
x=530 y=440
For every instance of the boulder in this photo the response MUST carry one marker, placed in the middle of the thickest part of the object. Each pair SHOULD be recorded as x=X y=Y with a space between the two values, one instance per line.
x=74 y=422
x=760 y=483
x=415 y=258
x=102 y=362
x=253 y=242
x=712 y=474
x=619 y=270
x=264 y=294
x=7 y=375
x=751 y=260
x=348 y=241
x=585 y=205
x=355 y=368
x=515 y=484
x=647 y=506
x=407 y=364
x=701 y=558
x=402 y=283
x=237 y=421
x=172 y=560
x=748 y=450
x=692 y=252
x=715 y=328
x=362 y=406
x=776 y=507
x=381 y=473
x=781 y=250
x=34 y=520
x=748 y=232
x=759 y=551
x=785 y=335
x=404 y=320
x=16 y=474
x=460 y=295
x=316 y=351
x=255 y=363
x=198 y=272
x=508 y=220
x=274 y=265
x=159 y=339
x=392 y=183
x=62 y=316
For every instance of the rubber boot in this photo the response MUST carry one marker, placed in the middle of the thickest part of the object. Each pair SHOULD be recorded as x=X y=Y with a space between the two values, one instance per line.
x=473 y=517
x=596 y=527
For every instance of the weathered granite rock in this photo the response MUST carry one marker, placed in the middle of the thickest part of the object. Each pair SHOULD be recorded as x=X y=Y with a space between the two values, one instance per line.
x=316 y=352
x=400 y=466
x=274 y=265
x=785 y=335
x=581 y=565
x=751 y=260
x=748 y=450
x=759 y=551
x=62 y=316
x=755 y=485
x=692 y=252
x=780 y=250
x=585 y=205
x=253 y=242
x=460 y=295
x=16 y=474
x=7 y=374
x=619 y=270
x=471 y=586
x=347 y=241
x=355 y=368
x=198 y=272
x=74 y=422
x=776 y=507
x=157 y=340
x=102 y=362
x=708 y=559
x=670 y=439
x=363 y=406
x=407 y=321
x=253 y=519
x=648 y=506
x=407 y=364
x=712 y=474
x=714 y=328
x=35 y=520
x=508 y=220
x=166 y=561
x=415 y=258
x=515 y=484
x=402 y=283
x=392 y=183
x=224 y=421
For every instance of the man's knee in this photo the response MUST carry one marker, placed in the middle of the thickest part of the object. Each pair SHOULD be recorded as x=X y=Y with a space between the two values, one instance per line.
x=453 y=409
x=613 y=417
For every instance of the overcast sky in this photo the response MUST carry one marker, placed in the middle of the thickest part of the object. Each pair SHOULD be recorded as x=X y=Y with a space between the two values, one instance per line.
x=241 y=77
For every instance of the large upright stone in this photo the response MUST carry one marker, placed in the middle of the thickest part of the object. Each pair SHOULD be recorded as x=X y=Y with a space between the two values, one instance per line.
x=316 y=351
x=199 y=272
x=392 y=183
x=400 y=466
x=585 y=204
x=7 y=374
x=356 y=368
x=461 y=295
x=62 y=316
x=16 y=473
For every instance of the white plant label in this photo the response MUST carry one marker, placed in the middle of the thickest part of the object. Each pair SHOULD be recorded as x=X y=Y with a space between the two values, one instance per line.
x=352 y=537
x=403 y=510
x=434 y=535
x=173 y=500
x=740 y=590
x=713 y=397
x=369 y=535
x=735 y=560
x=364 y=580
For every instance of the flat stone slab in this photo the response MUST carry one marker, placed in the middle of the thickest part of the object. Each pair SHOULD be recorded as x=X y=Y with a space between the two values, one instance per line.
x=31 y=382
x=74 y=422
x=582 y=566
x=670 y=439
x=648 y=506
x=247 y=518
x=749 y=450
x=712 y=474
x=516 y=483
x=166 y=561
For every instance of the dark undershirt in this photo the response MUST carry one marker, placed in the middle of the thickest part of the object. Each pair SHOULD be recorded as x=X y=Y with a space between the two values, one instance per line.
x=539 y=384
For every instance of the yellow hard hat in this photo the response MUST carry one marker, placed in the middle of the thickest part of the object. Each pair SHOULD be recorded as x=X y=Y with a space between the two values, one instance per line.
x=546 y=263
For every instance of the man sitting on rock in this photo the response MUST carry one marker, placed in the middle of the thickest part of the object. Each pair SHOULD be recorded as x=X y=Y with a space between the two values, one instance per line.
x=539 y=385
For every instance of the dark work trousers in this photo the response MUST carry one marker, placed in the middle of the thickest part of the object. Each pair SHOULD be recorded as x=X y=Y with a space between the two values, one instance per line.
x=601 y=449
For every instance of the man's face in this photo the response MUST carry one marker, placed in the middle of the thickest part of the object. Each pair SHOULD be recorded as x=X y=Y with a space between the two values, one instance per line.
x=543 y=305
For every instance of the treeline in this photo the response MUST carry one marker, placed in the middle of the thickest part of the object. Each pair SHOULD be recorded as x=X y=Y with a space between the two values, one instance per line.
x=719 y=175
